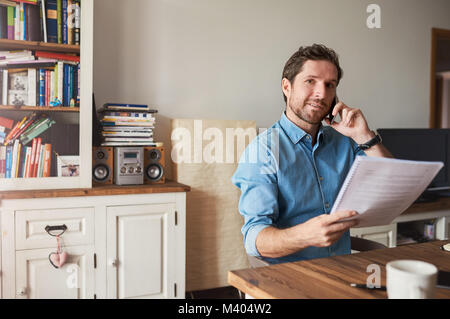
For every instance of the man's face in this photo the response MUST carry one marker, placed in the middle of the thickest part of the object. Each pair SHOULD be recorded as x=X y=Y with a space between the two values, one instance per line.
x=310 y=95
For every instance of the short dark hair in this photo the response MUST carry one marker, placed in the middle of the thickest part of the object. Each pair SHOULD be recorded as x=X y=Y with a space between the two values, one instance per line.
x=314 y=52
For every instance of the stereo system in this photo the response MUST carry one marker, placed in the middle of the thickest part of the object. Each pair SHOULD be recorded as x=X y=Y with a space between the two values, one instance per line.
x=128 y=165
x=102 y=165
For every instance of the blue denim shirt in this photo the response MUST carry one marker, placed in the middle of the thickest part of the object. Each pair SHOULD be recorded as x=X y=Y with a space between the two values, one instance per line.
x=285 y=181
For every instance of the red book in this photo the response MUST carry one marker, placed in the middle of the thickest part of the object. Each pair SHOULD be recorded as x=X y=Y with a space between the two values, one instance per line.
x=36 y=157
x=58 y=56
x=8 y=123
x=33 y=155
x=47 y=160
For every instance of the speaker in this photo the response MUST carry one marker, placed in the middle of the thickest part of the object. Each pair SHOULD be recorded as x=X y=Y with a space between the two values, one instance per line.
x=154 y=165
x=102 y=165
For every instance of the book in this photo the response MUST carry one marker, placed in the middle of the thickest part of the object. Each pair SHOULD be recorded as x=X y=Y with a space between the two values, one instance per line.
x=3 y=22
x=64 y=21
x=6 y=122
x=126 y=114
x=380 y=189
x=127 y=107
x=19 y=150
x=70 y=21
x=44 y=21
x=14 y=130
x=52 y=21
x=32 y=83
x=77 y=22
x=28 y=135
x=41 y=161
x=41 y=87
x=26 y=167
x=5 y=88
x=57 y=56
x=2 y=161
x=129 y=144
x=11 y=22
x=33 y=23
x=128 y=139
x=34 y=2
x=36 y=157
x=47 y=63
x=47 y=160
x=59 y=20
x=8 y=158
x=32 y=156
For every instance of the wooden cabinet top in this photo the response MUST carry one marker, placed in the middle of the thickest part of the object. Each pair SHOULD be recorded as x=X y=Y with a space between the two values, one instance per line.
x=442 y=203
x=107 y=190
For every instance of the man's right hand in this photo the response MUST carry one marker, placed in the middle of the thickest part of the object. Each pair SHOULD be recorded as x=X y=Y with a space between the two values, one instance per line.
x=320 y=231
x=324 y=230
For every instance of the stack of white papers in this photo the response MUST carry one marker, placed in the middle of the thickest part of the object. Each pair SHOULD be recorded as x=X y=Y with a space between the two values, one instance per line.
x=380 y=189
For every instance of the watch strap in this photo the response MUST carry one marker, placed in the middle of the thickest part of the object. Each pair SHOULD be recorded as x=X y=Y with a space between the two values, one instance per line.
x=374 y=141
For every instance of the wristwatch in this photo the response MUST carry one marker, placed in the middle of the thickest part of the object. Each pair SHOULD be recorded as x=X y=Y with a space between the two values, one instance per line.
x=369 y=144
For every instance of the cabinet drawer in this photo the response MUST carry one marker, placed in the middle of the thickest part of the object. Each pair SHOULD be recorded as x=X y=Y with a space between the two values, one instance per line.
x=31 y=233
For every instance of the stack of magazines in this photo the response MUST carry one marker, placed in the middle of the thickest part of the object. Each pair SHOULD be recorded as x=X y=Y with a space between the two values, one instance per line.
x=127 y=125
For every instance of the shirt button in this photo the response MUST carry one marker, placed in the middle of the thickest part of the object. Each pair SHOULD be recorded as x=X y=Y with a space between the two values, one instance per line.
x=321 y=178
x=308 y=138
x=327 y=205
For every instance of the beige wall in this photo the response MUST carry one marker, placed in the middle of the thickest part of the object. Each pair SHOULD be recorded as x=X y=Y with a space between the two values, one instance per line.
x=222 y=59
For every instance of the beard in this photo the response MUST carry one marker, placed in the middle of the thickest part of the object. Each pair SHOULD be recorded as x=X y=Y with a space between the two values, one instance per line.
x=303 y=111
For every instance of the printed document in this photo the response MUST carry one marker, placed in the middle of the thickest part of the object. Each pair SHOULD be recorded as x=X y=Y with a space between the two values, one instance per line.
x=380 y=189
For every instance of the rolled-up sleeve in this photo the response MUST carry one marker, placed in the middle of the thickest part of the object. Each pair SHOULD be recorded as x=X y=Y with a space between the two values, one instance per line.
x=257 y=180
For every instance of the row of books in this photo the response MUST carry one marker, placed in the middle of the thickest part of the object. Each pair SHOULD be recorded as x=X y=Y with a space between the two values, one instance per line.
x=43 y=82
x=55 y=21
x=127 y=125
x=31 y=126
x=18 y=161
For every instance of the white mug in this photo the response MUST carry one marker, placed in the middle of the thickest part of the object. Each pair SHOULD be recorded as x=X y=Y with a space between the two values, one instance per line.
x=410 y=279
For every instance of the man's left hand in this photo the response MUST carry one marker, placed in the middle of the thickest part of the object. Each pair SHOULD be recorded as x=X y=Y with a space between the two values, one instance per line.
x=352 y=124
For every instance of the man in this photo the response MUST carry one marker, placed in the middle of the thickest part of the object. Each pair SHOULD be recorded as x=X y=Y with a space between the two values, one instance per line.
x=287 y=194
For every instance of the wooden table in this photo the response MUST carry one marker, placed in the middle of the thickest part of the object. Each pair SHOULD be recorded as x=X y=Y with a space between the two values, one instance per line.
x=331 y=277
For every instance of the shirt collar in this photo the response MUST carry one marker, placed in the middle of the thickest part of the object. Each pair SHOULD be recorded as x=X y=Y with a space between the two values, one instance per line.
x=294 y=132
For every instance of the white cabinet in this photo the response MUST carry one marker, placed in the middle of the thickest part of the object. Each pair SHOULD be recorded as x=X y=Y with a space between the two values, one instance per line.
x=386 y=235
x=140 y=246
x=120 y=246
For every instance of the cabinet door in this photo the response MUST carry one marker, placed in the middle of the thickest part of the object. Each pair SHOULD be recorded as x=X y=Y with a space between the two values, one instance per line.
x=141 y=251
x=36 y=278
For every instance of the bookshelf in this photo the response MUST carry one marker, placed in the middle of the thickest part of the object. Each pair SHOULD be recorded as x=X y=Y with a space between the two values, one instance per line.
x=73 y=128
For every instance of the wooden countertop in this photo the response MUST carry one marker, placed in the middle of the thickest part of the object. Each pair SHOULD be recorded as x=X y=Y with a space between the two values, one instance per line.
x=331 y=277
x=442 y=203
x=168 y=187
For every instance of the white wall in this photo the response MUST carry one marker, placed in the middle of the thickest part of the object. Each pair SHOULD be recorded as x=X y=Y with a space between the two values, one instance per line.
x=222 y=59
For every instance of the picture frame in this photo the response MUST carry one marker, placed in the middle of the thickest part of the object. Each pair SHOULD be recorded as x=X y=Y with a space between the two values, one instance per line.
x=68 y=166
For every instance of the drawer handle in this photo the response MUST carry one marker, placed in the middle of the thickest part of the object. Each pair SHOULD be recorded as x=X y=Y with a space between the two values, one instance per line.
x=61 y=228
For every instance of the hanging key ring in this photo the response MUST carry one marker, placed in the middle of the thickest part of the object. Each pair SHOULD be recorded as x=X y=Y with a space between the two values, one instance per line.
x=61 y=228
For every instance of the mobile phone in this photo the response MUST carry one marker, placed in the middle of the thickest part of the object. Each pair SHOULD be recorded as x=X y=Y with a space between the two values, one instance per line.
x=333 y=104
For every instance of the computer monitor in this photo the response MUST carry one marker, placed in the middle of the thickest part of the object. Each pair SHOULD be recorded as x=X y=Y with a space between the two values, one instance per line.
x=421 y=145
